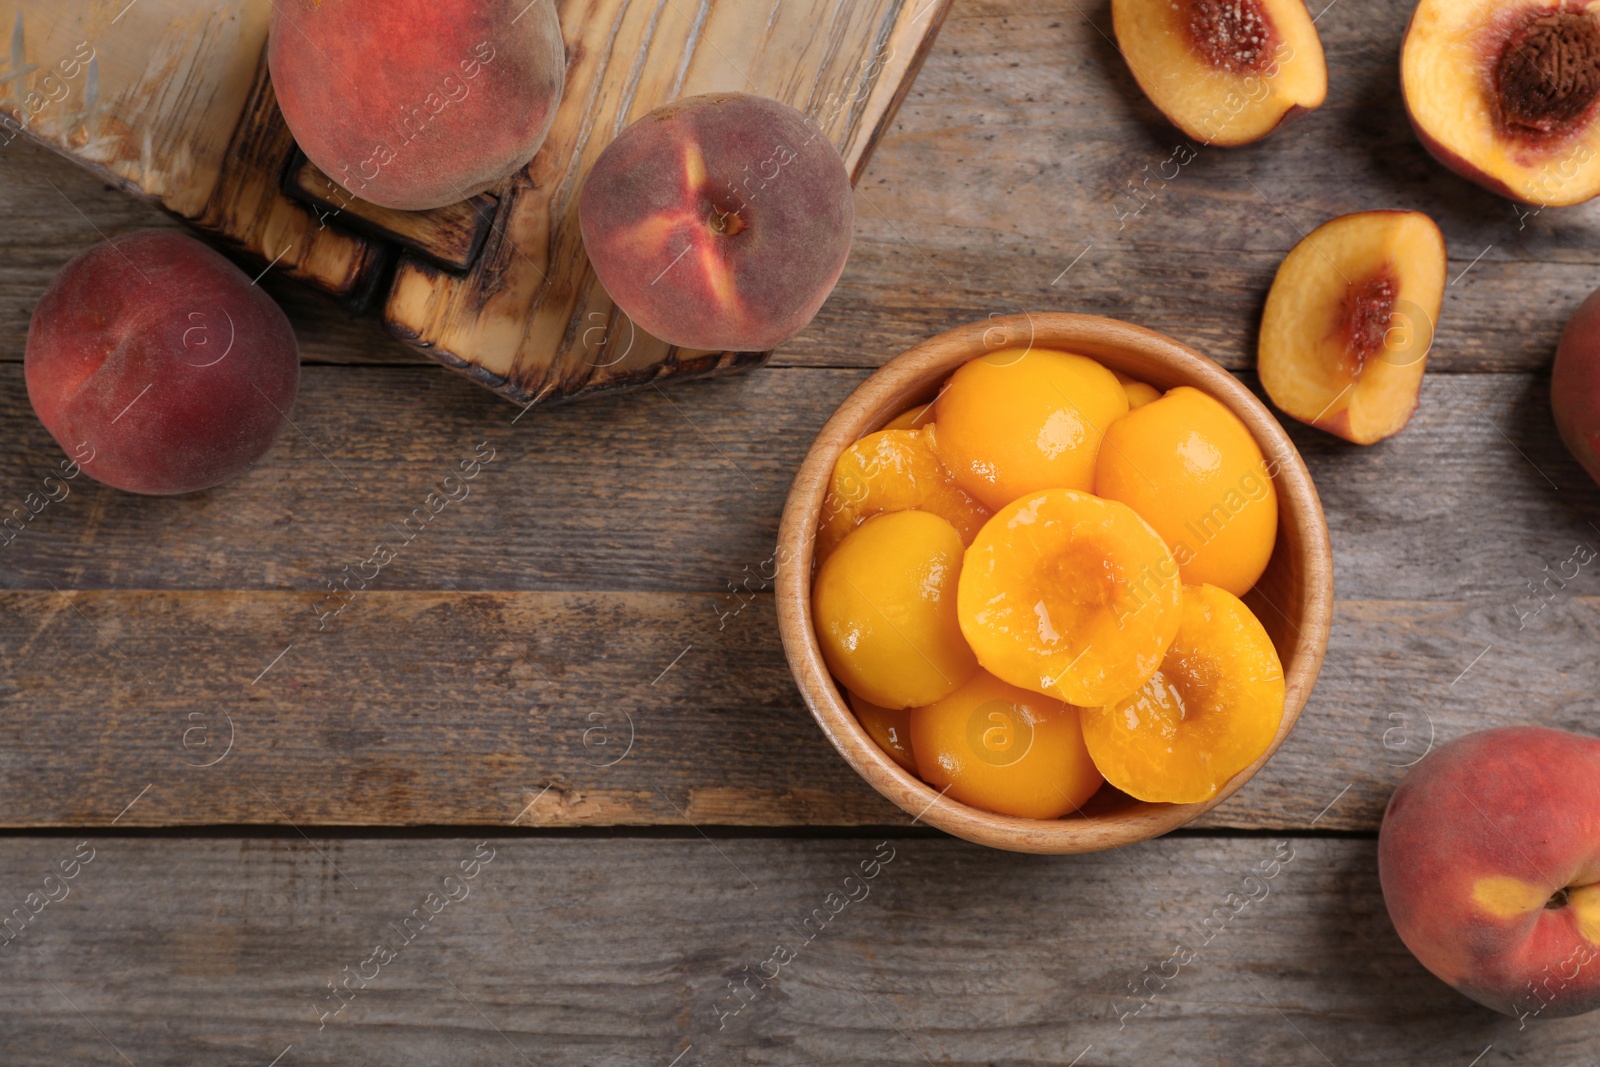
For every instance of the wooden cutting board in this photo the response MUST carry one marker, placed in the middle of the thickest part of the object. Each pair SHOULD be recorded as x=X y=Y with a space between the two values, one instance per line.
x=170 y=99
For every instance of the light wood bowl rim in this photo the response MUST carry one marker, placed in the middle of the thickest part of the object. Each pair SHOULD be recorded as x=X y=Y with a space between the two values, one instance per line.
x=913 y=377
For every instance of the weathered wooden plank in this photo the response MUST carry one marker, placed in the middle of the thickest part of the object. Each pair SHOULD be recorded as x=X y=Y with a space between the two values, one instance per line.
x=249 y=213
x=651 y=494
x=585 y=497
x=1430 y=576
x=55 y=210
x=146 y=95
x=612 y=952
x=562 y=709
x=573 y=709
x=683 y=492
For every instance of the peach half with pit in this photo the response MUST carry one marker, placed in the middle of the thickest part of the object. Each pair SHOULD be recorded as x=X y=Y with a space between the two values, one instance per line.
x=1225 y=72
x=719 y=222
x=1506 y=95
x=1349 y=322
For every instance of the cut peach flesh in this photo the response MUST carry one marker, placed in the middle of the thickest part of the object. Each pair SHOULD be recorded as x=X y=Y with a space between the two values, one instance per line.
x=1069 y=595
x=1223 y=71
x=893 y=470
x=1476 y=80
x=1211 y=710
x=1349 y=321
x=912 y=418
x=1139 y=393
x=890 y=728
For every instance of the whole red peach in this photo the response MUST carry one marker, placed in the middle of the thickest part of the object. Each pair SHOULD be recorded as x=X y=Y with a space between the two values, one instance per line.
x=1575 y=385
x=719 y=222
x=156 y=357
x=1490 y=862
x=415 y=104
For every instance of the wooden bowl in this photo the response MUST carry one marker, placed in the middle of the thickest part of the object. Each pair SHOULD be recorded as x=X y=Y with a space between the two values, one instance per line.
x=1293 y=600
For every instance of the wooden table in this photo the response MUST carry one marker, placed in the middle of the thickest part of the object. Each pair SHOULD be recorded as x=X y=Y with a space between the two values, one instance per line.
x=575 y=670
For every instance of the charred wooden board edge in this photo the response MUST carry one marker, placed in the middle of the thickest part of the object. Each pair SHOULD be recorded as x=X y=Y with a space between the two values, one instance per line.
x=367 y=282
x=372 y=276
x=671 y=366
x=355 y=289
x=251 y=147
x=301 y=178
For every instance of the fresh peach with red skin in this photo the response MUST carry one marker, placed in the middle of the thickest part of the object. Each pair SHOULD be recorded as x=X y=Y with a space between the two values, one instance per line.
x=1575 y=385
x=158 y=360
x=1490 y=862
x=415 y=104
x=719 y=222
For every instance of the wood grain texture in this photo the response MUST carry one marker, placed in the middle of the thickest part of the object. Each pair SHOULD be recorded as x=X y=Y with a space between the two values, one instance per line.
x=601 y=534
x=1440 y=535
x=480 y=708
x=147 y=96
x=249 y=213
x=621 y=952
x=1025 y=143
x=196 y=129
x=55 y=209
x=530 y=320
x=413 y=707
x=682 y=490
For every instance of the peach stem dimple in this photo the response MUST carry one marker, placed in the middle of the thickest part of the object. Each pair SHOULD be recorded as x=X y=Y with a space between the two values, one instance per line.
x=726 y=223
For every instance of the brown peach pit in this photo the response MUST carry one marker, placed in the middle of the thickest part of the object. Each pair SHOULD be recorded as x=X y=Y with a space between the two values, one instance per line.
x=1237 y=36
